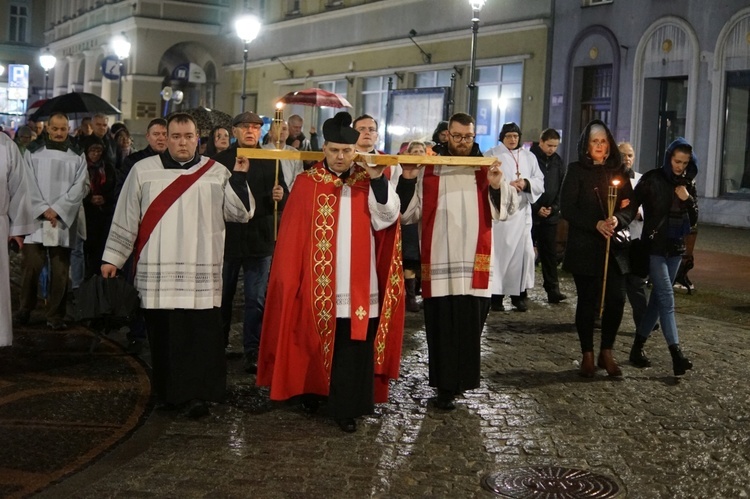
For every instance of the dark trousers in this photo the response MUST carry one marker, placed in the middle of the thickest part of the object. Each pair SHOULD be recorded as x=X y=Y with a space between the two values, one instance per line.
x=589 y=289
x=34 y=258
x=636 y=289
x=454 y=331
x=255 y=273
x=187 y=354
x=545 y=239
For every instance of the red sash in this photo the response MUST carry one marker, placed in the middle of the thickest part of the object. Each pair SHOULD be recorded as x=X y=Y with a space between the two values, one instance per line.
x=430 y=189
x=359 y=270
x=161 y=204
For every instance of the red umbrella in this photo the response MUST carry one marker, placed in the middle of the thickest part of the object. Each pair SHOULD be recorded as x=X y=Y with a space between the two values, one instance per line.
x=315 y=97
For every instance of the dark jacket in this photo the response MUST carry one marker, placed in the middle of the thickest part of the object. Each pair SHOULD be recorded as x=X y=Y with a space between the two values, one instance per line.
x=127 y=164
x=553 y=169
x=655 y=192
x=584 y=201
x=255 y=238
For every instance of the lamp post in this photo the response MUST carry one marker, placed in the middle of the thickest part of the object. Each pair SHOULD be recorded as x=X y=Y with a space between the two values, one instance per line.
x=121 y=46
x=247 y=28
x=47 y=61
x=476 y=6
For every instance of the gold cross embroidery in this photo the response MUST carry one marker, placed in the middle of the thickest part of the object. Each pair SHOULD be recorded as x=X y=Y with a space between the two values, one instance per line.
x=360 y=313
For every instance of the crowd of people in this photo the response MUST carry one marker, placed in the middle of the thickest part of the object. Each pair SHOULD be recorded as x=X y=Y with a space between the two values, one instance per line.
x=341 y=248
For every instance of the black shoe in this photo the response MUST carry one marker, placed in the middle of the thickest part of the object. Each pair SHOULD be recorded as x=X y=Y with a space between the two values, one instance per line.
x=22 y=318
x=519 y=303
x=637 y=356
x=347 y=424
x=196 y=409
x=496 y=303
x=57 y=325
x=556 y=297
x=680 y=363
x=250 y=362
x=444 y=400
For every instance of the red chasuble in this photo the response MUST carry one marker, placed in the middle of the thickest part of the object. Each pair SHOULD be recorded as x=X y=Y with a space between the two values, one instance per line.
x=299 y=322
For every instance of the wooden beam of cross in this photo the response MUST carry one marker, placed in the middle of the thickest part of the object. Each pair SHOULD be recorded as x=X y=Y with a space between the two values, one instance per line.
x=370 y=159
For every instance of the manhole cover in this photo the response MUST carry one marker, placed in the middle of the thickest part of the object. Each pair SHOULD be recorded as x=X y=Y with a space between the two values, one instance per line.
x=550 y=483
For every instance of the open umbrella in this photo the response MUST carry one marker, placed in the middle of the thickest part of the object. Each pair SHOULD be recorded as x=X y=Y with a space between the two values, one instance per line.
x=208 y=119
x=315 y=97
x=74 y=103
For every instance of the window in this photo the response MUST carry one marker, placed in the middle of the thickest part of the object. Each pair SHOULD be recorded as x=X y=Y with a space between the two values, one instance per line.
x=292 y=8
x=430 y=79
x=499 y=92
x=735 y=161
x=591 y=3
x=19 y=19
x=374 y=102
x=596 y=94
x=337 y=87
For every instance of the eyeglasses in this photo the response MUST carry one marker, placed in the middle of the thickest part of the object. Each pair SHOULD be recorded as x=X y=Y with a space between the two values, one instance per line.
x=363 y=129
x=462 y=138
x=245 y=126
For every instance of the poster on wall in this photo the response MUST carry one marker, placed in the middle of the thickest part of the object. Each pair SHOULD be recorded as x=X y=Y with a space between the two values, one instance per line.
x=413 y=114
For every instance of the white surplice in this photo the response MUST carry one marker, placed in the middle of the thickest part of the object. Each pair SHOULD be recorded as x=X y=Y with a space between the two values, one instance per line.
x=289 y=167
x=180 y=265
x=15 y=220
x=514 y=250
x=454 y=237
x=59 y=180
x=381 y=217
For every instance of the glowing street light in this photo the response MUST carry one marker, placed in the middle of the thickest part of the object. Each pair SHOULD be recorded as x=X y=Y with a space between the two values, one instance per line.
x=247 y=28
x=476 y=6
x=47 y=61
x=121 y=47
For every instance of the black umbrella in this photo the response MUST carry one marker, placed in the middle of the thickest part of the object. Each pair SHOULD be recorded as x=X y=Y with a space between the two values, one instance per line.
x=208 y=119
x=73 y=104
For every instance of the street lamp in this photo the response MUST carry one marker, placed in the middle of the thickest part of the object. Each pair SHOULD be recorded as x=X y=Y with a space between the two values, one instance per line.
x=47 y=62
x=247 y=28
x=121 y=46
x=476 y=6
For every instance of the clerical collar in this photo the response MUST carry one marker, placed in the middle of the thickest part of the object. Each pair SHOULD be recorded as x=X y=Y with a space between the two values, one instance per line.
x=342 y=176
x=170 y=163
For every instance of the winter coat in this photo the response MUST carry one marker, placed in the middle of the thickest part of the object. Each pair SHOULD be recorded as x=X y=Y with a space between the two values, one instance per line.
x=656 y=193
x=553 y=169
x=584 y=201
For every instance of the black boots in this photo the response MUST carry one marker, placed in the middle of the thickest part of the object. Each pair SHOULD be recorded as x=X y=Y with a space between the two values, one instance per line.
x=637 y=355
x=554 y=295
x=496 y=303
x=680 y=364
x=411 y=295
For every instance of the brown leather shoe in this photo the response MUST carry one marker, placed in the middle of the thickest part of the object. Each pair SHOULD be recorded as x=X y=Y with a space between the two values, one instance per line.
x=587 y=365
x=606 y=361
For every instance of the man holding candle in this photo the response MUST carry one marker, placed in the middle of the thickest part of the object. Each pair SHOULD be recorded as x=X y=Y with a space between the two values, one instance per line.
x=249 y=246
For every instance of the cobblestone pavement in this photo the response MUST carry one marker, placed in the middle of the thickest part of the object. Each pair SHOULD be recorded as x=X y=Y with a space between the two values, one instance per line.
x=655 y=436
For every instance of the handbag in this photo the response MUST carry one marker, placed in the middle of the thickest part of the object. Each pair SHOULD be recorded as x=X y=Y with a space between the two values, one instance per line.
x=640 y=252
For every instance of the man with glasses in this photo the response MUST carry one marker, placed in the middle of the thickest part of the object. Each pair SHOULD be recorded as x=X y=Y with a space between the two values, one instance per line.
x=456 y=205
x=249 y=246
x=513 y=262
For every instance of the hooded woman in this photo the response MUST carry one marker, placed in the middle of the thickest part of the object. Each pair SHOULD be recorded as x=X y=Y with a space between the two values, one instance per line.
x=98 y=204
x=584 y=204
x=670 y=210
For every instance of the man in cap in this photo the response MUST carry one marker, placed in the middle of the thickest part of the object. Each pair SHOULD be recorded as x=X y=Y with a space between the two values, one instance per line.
x=456 y=265
x=513 y=264
x=171 y=215
x=249 y=246
x=336 y=285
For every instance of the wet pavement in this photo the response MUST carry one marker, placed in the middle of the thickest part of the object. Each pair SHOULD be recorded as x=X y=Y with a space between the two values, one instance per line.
x=649 y=433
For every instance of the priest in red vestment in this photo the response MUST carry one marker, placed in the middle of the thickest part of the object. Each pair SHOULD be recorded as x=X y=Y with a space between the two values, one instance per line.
x=334 y=307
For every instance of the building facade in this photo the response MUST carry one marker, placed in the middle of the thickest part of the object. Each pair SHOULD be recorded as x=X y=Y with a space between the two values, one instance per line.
x=654 y=70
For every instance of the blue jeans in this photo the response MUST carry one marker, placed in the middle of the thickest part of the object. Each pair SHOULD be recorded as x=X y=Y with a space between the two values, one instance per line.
x=662 y=270
x=255 y=272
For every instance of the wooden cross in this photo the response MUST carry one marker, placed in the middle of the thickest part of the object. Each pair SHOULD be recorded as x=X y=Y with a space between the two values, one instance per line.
x=370 y=159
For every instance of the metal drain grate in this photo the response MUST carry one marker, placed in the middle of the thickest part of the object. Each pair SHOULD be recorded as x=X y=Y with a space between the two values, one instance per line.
x=550 y=482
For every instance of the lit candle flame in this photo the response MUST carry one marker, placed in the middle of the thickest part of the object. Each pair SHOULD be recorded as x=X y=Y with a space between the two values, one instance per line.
x=279 y=105
x=615 y=183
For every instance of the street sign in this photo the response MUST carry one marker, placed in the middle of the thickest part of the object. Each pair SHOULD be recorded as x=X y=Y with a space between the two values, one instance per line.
x=111 y=67
x=18 y=75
